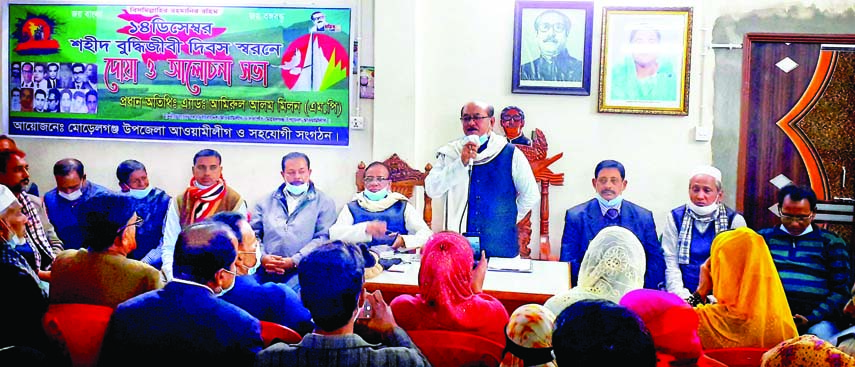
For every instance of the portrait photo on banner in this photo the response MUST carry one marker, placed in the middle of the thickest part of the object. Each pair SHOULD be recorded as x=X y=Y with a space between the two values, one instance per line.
x=645 y=60
x=552 y=47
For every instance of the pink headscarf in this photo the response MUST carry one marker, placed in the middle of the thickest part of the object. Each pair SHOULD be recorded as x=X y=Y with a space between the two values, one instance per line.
x=446 y=271
x=672 y=323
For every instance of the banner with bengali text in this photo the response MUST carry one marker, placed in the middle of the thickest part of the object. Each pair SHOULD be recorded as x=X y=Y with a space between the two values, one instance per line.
x=269 y=75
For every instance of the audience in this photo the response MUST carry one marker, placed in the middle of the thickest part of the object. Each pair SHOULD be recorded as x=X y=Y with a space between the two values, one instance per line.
x=150 y=204
x=334 y=304
x=601 y=333
x=691 y=228
x=72 y=189
x=450 y=296
x=752 y=309
x=613 y=265
x=40 y=244
x=185 y=323
x=381 y=218
x=529 y=337
x=806 y=351
x=207 y=194
x=812 y=262
x=291 y=221
x=102 y=274
x=272 y=302
x=673 y=325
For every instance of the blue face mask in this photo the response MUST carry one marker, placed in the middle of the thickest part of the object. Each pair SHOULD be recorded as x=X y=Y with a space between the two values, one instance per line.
x=254 y=268
x=226 y=290
x=16 y=241
x=376 y=196
x=297 y=189
x=139 y=194
x=610 y=203
x=483 y=139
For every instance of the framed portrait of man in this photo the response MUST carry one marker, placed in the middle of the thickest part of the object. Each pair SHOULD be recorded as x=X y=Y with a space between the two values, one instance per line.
x=644 y=60
x=552 y=47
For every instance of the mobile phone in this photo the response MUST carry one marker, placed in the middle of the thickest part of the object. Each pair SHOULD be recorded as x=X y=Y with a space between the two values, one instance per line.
x=475 y=243
x=364 y=311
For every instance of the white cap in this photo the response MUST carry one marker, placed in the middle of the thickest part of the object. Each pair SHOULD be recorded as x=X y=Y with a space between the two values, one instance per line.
x=6 y=198
x=706 y=170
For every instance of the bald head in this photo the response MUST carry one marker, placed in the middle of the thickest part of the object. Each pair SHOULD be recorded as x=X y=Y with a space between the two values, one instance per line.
x=203 y=249
x=477 y=118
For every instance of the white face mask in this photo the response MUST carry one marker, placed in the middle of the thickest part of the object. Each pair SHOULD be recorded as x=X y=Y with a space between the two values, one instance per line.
x=139 y=194
x=297 y=190
x=254 y=268
x=702 y=210
x=72 y=196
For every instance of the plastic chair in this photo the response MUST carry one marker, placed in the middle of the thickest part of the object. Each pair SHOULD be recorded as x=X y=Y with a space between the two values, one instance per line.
x=737 y=357
x=271 y=331
x=452 y=348
x=79 y=329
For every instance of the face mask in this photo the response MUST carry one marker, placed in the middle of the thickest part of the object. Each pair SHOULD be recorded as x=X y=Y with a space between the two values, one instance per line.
x=483 y=139
x=254 y=268
x=376 y=196
x=610 y=203
x=72 y=196
x=702 y=210
x=139 y=194
x=226 y=290
x=296 y=189
x=16 y=241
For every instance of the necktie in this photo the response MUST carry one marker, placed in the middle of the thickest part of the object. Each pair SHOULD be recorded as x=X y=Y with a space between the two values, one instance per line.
x=612 y=213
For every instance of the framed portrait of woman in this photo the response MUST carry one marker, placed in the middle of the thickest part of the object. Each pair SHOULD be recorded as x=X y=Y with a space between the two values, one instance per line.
x=644 y=60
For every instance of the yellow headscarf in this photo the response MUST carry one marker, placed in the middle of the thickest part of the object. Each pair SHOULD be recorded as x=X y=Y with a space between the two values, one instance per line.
x=752 y=309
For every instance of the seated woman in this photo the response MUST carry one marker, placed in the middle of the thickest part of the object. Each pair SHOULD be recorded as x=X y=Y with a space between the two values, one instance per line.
x=806 y=351
x=450 y=295
x=103 y=274
x=614 y=264
x=529 y=337
x=752 y=309
x=673 y=324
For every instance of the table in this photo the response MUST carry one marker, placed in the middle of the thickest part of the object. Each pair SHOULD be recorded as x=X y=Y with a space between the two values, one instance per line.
x=512 y=289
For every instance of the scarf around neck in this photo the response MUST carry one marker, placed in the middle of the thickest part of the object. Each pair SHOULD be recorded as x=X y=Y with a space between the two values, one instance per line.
x=203 y=202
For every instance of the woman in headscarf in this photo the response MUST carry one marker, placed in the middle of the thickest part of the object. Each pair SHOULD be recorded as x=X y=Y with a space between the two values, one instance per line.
x=529 y=337
x=613 y=265
x=450 y=296
x=806 y=351
x=752 y=309
x=673 y=324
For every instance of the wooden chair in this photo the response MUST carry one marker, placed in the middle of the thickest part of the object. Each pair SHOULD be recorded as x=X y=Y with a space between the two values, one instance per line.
x=404 y=180
x=540 y=162
x=271 y=331
x=79 y=329
x=452 y=348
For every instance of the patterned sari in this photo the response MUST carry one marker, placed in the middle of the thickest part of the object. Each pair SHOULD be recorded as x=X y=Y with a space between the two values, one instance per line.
x=806 y=351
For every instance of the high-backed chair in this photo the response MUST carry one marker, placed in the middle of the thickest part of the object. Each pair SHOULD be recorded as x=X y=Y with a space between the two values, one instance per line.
x=79 y=329
x=452 y=348
x=537 y=157
x=271 y=331
x=404 y=181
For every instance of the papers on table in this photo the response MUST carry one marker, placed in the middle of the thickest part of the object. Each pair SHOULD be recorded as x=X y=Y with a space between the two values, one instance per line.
x=506 y=264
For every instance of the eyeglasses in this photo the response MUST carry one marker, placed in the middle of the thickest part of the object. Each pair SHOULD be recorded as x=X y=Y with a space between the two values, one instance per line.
x=371 y=179
x=795 y=218
x=546 y=27
x=512 y=117
x=230 y=272
x=470 y=118
x=135 y=223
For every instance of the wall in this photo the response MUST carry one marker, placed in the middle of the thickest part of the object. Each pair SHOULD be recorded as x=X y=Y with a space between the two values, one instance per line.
x=253 y=170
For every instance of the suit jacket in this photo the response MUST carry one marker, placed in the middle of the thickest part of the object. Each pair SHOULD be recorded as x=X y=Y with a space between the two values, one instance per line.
x=180 y=325
x=584 y=221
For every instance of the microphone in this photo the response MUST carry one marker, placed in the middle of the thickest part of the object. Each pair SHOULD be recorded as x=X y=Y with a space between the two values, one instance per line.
x=473 y=139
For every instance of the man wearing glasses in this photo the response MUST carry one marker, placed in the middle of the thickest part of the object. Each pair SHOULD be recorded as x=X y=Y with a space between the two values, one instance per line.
x=813 y=264
x=487 y=183
x=291 y=221
x=379 y=217
x=555 y=63
x=513 y=120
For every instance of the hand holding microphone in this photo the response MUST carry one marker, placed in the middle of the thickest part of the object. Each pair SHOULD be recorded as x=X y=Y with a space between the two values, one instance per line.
x=469 y=150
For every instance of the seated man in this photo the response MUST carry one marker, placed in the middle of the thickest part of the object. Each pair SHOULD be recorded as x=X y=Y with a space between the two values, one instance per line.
x=601 y=333
x=813 y=264
x=584 y=221
x=291 y=221
x=687 y=238
x=272 y=302
x=184 y=323
x=40 y=244
x=7 y=143
x=379 y=217
x=102 y=274
x=488 y=183
x=334 y=304
x=150 y=204
x=72 y=189
x=207 y=194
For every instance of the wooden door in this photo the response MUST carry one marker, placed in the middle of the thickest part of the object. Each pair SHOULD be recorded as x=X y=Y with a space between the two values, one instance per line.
x=798 y=120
